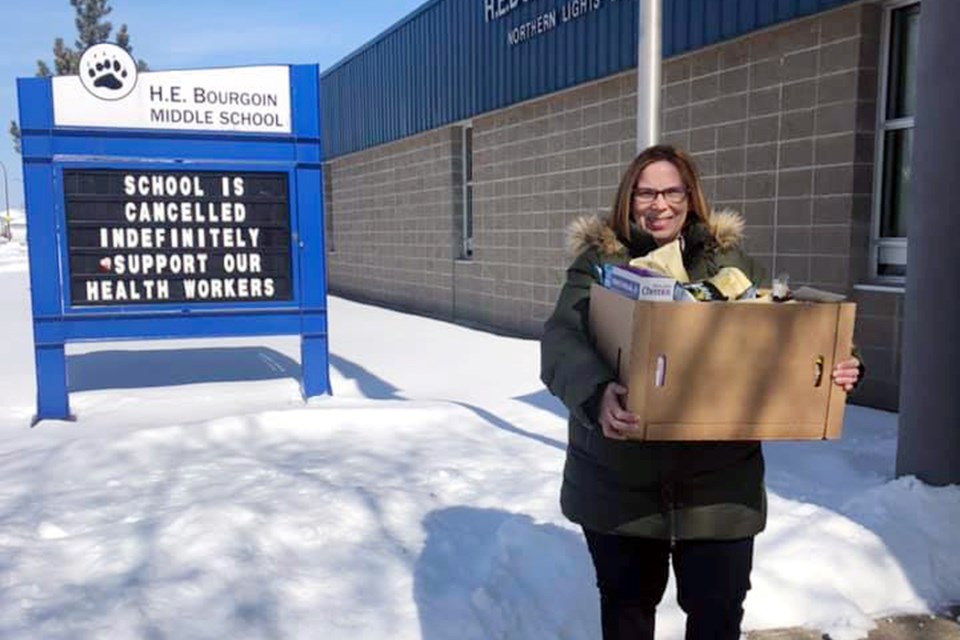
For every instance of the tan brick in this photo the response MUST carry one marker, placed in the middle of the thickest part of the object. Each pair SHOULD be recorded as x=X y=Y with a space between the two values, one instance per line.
x=795 y=183
x=839 y=56
x=797 y=124
x=796 y=153
x=764 y=45
x=676 y=95
x=799 y=35
x=838 y=87
x=732 y=160
x=731 y=108
x=834 y=181
x=731 y=134
x=730 y=188
x=764 y=101
x=703 y=139
x=676 y=70
x=704 y=88
x=764 y=73
x=734 y=54
x=799 y=66
x=704 y=62
x=760 y=213
x=734 y=81
x=831 y=239
x=706 y=162
x=793 y=240
x=677 y=119
x=840 y=24
x=764 y=129
x=836 y=149
x=760 y=186
x=758 y=240
x=795 y=211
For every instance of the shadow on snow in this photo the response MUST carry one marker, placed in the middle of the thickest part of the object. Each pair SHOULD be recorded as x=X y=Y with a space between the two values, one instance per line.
x=119 y=369
x=483 y=572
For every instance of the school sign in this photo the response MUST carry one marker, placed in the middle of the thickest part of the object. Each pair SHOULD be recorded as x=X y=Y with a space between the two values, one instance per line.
x=173 y=204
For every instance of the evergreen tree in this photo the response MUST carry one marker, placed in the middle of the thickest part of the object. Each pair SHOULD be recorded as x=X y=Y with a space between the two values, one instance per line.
x=92 y=28
x=15 y=133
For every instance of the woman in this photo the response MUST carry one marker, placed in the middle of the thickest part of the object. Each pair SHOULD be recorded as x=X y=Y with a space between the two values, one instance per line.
x=641 y=502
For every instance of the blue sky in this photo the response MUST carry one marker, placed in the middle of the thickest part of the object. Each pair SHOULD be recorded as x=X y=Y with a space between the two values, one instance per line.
x=181 y=34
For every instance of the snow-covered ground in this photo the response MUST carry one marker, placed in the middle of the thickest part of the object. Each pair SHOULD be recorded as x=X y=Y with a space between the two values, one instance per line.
x=13 y=232
x=197 y=496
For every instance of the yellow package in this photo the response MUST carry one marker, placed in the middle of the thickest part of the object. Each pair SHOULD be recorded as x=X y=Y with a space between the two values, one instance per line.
x=666 y=260
x=731 y=282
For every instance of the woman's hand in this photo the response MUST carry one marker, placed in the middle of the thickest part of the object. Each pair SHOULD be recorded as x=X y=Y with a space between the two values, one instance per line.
x=846 y=374
x=616 y=421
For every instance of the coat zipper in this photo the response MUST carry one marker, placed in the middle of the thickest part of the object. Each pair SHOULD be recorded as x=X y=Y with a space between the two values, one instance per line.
x=668 y=496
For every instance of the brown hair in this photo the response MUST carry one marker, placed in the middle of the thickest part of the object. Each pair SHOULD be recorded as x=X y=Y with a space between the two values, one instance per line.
x=622 y=211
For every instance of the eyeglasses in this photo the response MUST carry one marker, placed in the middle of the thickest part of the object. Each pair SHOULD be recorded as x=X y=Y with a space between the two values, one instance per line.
x=673 y=195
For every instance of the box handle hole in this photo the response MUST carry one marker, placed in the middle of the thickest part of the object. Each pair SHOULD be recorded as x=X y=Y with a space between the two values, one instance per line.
x=660 y=374
x=818 y=371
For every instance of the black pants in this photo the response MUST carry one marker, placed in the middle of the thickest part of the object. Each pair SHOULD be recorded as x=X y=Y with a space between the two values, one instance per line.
x=713 y=577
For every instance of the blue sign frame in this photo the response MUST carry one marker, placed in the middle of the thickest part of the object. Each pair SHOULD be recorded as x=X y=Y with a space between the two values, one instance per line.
x=48 y=150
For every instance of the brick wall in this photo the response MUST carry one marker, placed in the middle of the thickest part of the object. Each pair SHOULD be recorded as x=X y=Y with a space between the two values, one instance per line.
x=536 y=168
x=390 y=222
x=781 y=124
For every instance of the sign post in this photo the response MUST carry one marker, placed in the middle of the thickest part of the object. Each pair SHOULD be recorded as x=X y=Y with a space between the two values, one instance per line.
x=173 y=204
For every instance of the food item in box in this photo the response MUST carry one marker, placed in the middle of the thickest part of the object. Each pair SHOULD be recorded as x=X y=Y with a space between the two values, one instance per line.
x=702 y=292
x=639 y=284
x=666 y=260
x=731 y=283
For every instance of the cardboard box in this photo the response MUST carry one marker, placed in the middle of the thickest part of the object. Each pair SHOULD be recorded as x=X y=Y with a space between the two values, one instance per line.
x=726 y=370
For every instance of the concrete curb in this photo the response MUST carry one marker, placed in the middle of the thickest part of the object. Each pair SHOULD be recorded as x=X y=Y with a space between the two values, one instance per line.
x=927 y=627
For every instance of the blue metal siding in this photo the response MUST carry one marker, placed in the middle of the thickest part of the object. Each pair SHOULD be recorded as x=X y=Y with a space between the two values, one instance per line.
x=445 y=62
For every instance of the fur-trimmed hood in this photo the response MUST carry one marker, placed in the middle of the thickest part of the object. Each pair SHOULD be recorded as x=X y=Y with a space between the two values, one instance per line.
x=724 y=229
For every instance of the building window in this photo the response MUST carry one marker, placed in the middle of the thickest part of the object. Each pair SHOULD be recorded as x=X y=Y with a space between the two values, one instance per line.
x=466 y=212
x=892 y=201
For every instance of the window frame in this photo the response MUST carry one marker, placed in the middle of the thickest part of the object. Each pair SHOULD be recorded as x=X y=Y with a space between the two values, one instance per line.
x=892 y=250
x=466 y=193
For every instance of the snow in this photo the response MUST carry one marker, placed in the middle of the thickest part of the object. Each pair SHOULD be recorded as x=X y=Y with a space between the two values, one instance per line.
x=13 y=250
x=196 y=495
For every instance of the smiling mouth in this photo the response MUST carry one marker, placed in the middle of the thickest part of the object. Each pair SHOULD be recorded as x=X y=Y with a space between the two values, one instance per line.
x=655 y=219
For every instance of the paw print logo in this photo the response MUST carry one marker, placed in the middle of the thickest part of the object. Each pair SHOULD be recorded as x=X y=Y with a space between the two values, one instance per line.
x=108 y=71
x=109 y=74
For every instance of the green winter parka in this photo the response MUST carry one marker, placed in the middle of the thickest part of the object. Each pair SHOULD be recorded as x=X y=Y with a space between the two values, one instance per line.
x=667 y=490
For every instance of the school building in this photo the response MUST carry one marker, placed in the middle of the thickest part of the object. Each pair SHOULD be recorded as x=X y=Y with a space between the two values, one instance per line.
x=461 y=142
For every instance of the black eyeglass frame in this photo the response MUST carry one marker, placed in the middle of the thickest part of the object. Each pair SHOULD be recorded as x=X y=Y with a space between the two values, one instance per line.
x=673 y=195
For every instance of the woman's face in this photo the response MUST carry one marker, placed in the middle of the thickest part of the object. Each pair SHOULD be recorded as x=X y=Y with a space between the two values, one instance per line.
x=660 y=201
